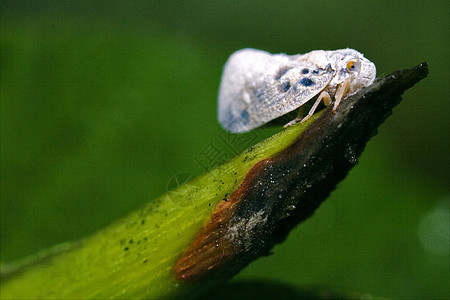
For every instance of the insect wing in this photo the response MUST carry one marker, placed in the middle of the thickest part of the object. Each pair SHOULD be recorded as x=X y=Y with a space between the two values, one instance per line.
x=258 y=87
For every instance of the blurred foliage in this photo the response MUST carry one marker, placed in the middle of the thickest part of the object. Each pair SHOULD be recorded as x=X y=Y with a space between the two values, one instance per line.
x=102 y=102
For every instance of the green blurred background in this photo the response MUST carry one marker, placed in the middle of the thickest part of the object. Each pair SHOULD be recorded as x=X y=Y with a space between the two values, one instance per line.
x=102 y=102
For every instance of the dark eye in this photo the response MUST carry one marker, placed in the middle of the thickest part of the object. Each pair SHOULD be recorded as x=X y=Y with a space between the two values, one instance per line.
x=351 y=65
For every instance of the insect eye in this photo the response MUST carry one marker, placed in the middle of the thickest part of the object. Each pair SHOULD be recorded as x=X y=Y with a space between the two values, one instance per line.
x=351 y=65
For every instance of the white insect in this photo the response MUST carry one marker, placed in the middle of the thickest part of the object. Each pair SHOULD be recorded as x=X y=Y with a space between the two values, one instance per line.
x=258 y=87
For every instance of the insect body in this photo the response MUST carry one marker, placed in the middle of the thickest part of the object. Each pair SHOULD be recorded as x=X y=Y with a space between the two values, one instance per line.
x=258 y=87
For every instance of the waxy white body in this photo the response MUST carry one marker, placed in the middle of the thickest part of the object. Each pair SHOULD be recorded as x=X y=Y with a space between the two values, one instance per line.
x=258 y=87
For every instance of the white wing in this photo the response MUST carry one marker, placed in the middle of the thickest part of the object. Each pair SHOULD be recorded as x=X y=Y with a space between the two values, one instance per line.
x=258 y=87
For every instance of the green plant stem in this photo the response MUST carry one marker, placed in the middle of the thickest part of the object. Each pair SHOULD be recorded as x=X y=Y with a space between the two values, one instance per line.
x=135 y=256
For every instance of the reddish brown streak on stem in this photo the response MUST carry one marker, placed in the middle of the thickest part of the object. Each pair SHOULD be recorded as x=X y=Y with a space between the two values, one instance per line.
x=211 y=248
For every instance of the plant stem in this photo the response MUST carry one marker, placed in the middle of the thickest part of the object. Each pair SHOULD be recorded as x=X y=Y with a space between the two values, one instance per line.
x=234 y=211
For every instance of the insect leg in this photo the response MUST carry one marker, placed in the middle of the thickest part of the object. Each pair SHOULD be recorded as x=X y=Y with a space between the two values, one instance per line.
x=326 y=100
x=300 y=112
x=341 y=92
